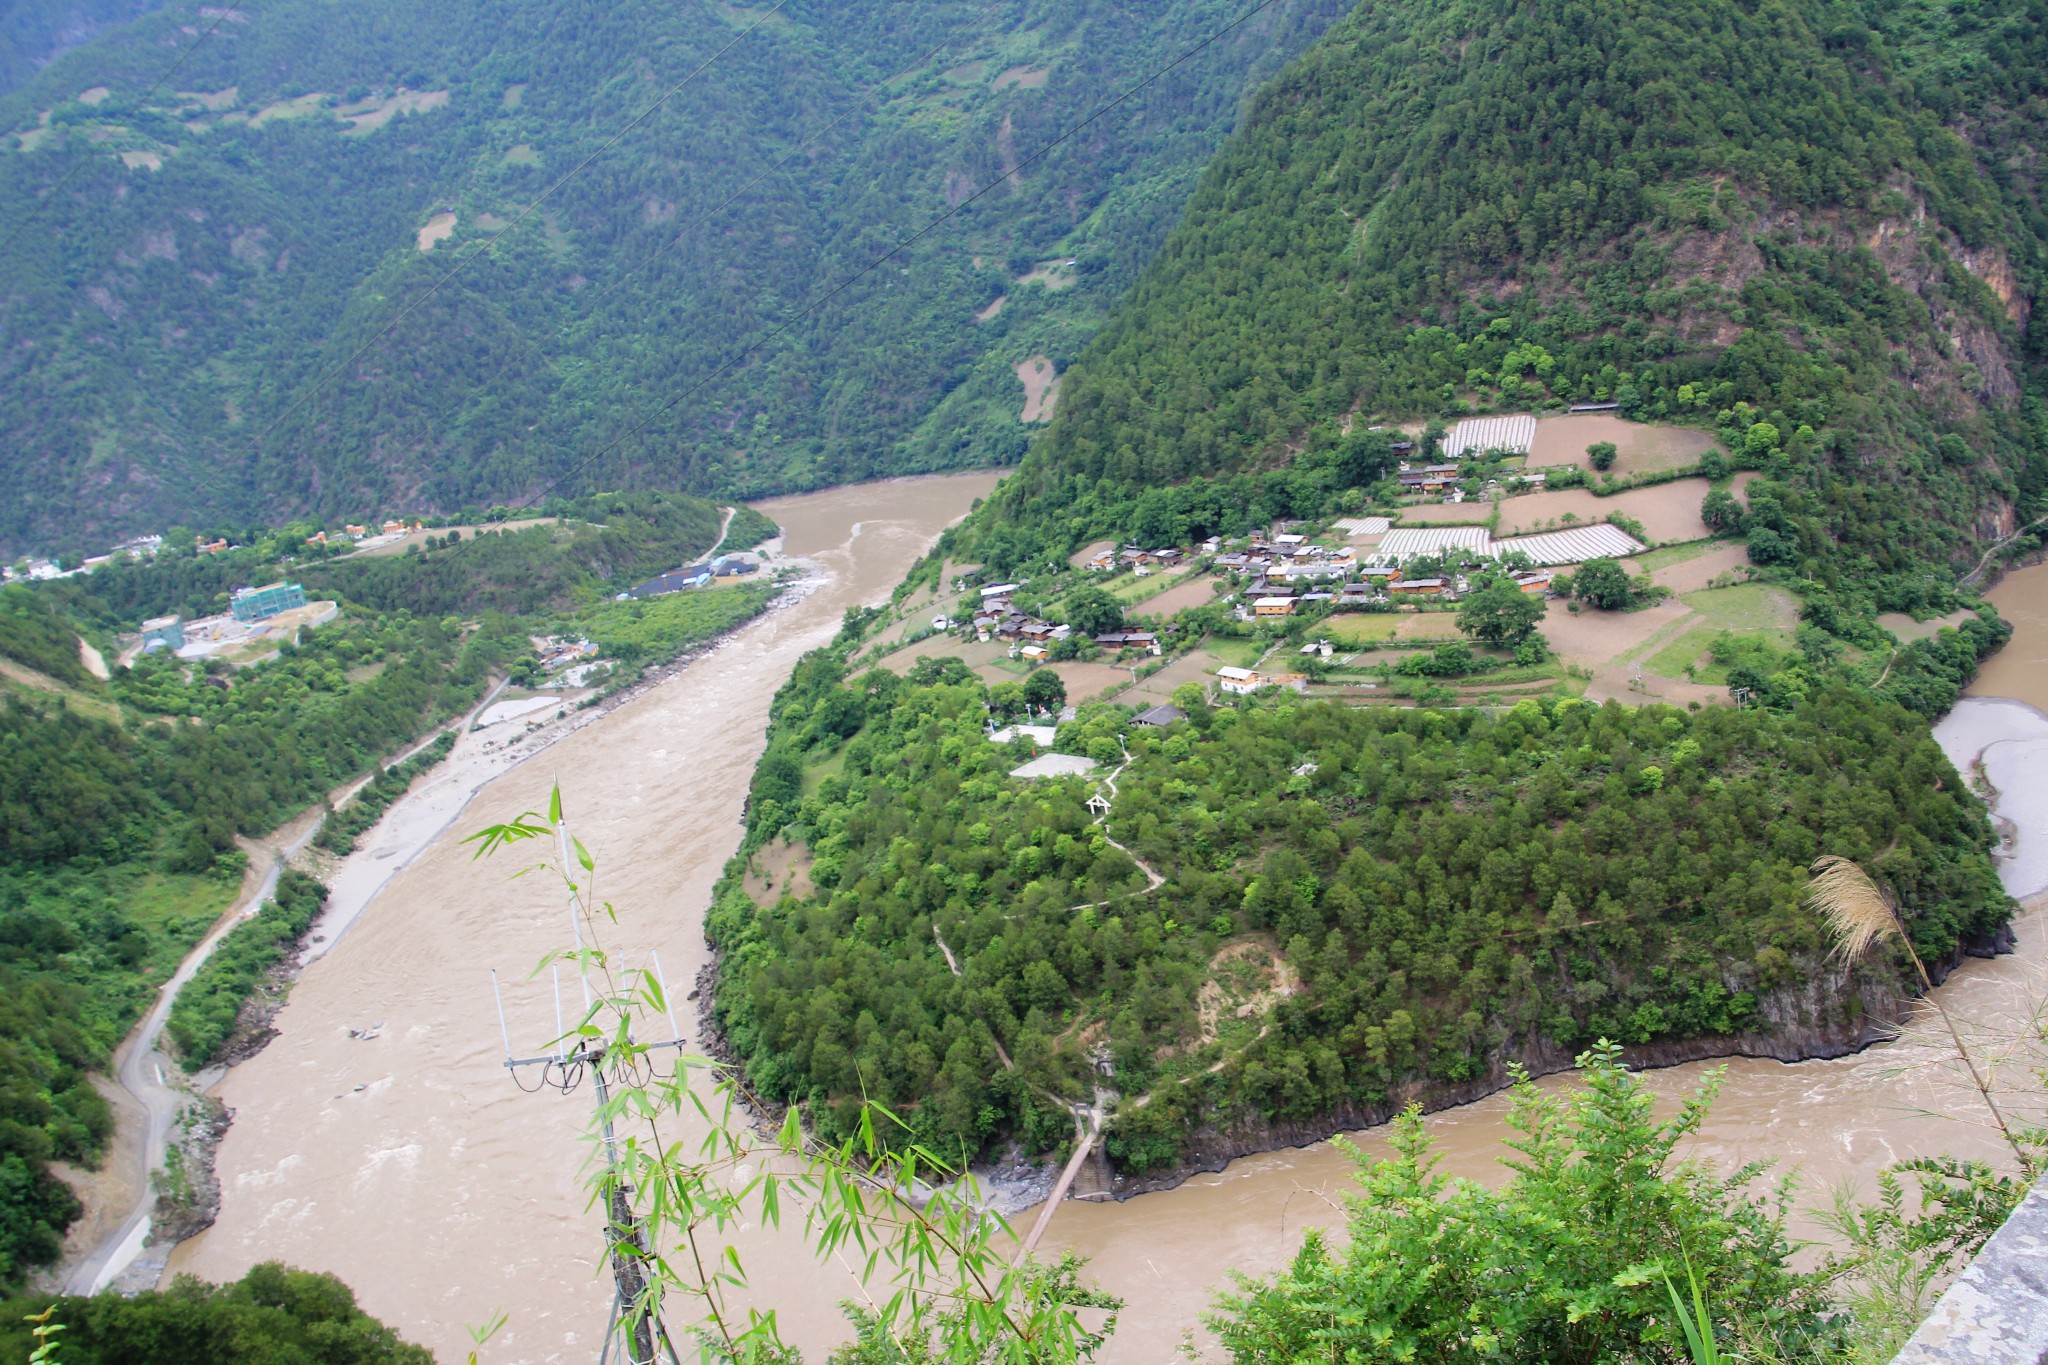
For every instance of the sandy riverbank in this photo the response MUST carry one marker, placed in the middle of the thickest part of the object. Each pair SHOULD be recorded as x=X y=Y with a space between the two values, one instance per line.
x=408 y=1163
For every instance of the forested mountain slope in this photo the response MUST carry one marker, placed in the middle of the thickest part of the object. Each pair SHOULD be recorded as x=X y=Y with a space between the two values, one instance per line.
x=1828 y=211
x=182 y=266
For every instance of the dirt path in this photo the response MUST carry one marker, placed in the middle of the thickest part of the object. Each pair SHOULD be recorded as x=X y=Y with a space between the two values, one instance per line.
x=1153 y=881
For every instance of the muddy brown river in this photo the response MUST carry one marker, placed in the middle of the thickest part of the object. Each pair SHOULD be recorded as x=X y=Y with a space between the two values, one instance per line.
x=409 y=1164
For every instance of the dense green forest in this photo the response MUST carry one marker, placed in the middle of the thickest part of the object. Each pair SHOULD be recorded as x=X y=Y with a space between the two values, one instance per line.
x=1444 y=890
x=1813 y=226
x=202 y=257
x=271 y=1316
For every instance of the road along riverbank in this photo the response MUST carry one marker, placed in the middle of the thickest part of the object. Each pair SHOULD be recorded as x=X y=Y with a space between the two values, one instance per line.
x=408 y=1162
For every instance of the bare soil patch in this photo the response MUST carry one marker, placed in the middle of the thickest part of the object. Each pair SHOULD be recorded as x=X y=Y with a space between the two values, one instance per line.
x=1246 y=979
x=1023 y=77
x=438 y=229
x=147 y=161
x=521 y=155
x=1087 y=681
x=1089 y=551
x=1196 y=666
x=95 y=662
x=370 y=115
x=1593 y=639
x=1700 y=571
x=782 y=868
x=1639 y=448
x=514 y=96
x=303 y=106
x=216 y=102
x=95 y=95
x=1668 y=511
x=1446 y=513
x=1193 y=593
x=1054 y=275
x=996 y=306
x=1041 y=388
x=1909 y=630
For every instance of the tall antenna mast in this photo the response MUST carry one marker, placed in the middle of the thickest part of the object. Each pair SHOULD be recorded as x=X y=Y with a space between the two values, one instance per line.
x=628 y=1339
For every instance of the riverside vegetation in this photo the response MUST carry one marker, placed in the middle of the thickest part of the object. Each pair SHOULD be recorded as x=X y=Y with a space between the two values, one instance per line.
x=120 y=801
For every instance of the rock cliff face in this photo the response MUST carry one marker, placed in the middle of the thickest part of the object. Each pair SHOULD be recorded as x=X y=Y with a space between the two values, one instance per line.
x=1820 y=1018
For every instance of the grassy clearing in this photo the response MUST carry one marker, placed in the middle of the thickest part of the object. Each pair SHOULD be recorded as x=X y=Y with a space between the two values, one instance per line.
x=1747 y=607
x=1667 y=555
x=1358 y=628
x=1688 y=650
x=1237 y=653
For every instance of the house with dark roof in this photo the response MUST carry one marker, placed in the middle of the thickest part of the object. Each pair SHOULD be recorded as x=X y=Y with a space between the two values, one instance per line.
x=1161 y=715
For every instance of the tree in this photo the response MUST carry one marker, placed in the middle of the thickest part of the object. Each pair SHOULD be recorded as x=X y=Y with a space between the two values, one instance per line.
x=1602 y=454
x=1092 y=611
x=1603 y=583
x=1500 y=614
x=1044 y=690
x=1767 y=547
x=1721 y=512
x=1443 y=1270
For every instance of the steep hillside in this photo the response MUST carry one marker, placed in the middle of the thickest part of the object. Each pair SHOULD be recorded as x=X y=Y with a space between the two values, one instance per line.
x=1827 y=212
x=187 y=264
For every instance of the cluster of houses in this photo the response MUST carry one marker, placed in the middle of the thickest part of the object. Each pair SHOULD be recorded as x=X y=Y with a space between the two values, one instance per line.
x=43 y=570
x=1141 y=562
x=1031 y=638
x=556 y=652
x=351 y=534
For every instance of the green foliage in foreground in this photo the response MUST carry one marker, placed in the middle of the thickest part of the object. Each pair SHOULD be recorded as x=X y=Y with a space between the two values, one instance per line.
x=33 y=635
x=271 y=1316
x=203 y=1019
x=1565 y=1264
x=1451 y=888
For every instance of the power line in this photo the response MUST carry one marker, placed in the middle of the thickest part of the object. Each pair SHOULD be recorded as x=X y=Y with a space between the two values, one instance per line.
x=227 y=12
x=491 y=241
x=894 y=251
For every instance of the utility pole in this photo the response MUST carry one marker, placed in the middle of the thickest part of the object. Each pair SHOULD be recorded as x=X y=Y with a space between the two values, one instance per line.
x=630 y=1338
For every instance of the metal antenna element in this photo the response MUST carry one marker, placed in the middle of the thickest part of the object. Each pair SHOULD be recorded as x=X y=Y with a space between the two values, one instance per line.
x=630 y=1338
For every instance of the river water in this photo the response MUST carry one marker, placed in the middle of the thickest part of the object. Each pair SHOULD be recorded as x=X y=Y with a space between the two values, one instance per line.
x=409 y=1164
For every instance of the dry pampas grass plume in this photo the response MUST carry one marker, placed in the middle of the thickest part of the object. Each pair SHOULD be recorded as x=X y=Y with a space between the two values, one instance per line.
x=1860 y=915
x=1857 y=913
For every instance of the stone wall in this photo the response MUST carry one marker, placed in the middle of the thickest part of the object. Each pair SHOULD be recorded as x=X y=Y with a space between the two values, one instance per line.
x=1996 y=1313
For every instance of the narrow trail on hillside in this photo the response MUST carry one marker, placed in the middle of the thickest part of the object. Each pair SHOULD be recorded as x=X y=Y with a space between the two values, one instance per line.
x=1153 y=879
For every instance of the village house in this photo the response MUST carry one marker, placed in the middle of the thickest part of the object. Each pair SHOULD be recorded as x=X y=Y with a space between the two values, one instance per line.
x=210 y=547
x=1104 y=562
x=1429 y=479
x=1129 y=639
x=1419 y=587
x=1159 y=716
x=1535 y=584
x=1357 y=594
x=1240 y=682
x=1273 y=606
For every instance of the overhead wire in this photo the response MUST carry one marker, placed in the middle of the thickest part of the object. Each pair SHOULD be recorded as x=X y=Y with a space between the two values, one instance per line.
x=1010 y=174
x=226 y=12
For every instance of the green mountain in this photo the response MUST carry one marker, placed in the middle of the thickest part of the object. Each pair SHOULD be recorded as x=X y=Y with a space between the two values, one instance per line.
x=186 y=264
x=1828 y=212
x=1813 y=227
